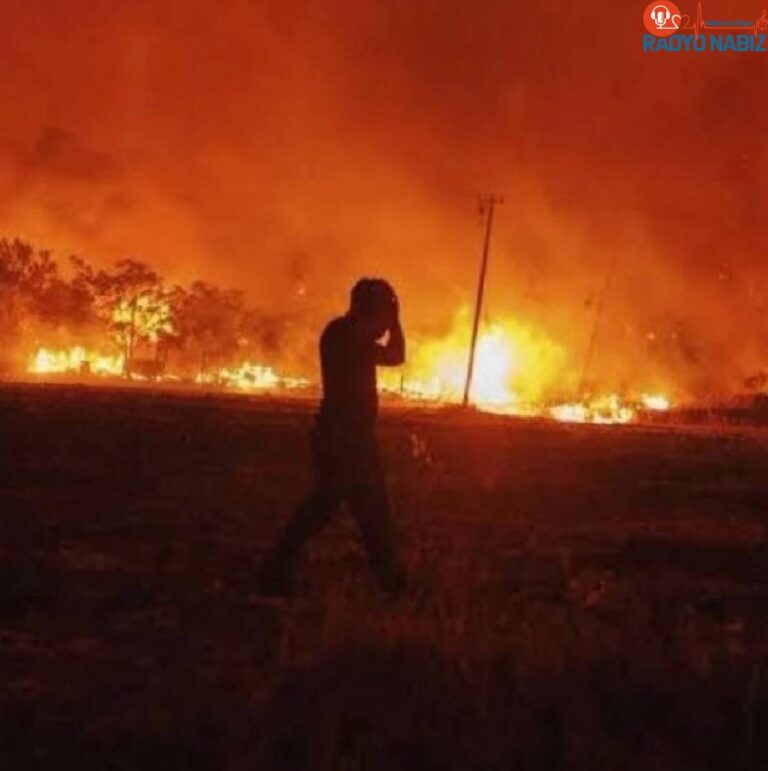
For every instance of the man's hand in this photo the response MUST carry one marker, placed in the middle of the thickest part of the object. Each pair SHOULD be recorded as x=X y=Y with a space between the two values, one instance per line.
x=395 y=319
x=393 y=353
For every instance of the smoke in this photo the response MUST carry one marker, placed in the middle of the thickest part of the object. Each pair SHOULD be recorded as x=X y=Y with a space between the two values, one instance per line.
x=287 y=149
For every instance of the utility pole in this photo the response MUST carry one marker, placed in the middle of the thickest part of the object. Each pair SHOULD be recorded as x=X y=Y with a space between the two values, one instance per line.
x=596 y=325
x=487 y=204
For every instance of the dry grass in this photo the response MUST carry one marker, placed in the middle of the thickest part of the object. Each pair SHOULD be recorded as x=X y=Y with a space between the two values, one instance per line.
x=583 y=598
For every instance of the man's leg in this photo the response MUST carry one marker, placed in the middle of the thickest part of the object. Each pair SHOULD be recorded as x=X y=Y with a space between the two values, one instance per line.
x=309 y=518
x=369 y=505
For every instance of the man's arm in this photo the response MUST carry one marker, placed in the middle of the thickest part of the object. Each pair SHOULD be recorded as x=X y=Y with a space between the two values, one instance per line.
x=392 y=354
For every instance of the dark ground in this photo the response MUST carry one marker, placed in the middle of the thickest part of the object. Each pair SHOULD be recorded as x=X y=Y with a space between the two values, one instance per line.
x=583 y=597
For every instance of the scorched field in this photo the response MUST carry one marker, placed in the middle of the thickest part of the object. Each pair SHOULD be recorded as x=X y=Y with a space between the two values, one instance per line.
x=582 y=597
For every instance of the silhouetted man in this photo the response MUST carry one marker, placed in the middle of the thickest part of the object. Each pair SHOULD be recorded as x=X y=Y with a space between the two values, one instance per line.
x=343 y=440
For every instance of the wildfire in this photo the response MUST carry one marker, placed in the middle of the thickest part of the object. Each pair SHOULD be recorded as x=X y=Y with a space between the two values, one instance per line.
x=604 y=409
x=514 y=366
x=518 y=370
x=656 y=402
x=75 y=360
x=608 y=409
x=145 y=317
x=252 y=377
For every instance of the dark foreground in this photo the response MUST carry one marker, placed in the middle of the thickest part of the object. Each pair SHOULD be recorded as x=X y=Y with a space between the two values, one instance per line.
x=583 y=597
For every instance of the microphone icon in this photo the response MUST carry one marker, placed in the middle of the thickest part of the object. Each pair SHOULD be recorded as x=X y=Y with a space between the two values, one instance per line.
x=661 y=15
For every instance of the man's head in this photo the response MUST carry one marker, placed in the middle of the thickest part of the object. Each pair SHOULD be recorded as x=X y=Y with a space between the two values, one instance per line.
x=373 y=305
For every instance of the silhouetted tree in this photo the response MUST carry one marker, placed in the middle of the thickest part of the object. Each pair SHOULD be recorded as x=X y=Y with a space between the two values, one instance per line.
x=208 y=322
x=132 y=301
x=25 y=276
x=34 y=296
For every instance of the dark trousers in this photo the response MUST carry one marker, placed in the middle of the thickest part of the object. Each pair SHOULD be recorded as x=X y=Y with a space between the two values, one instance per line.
x=348 y=471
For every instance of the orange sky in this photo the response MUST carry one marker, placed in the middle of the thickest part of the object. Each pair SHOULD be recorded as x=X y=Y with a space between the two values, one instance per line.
x=282 y=146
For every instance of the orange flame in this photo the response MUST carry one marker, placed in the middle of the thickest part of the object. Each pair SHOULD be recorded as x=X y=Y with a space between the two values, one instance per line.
x=48 y=361
x=518 y=370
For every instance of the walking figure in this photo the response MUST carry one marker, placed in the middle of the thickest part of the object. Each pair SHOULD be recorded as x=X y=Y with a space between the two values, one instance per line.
x=343 y=440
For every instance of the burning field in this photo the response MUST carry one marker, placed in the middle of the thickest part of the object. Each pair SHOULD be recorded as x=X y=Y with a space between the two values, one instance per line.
x=583 y=597
x=78 y=323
